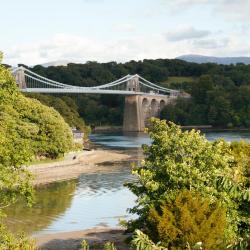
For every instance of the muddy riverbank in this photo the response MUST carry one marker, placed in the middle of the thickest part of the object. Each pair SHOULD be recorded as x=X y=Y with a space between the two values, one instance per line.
x=73 y=165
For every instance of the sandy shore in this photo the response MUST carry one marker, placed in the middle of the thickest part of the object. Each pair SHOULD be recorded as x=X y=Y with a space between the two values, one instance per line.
x=73 y=165
x=96 y=237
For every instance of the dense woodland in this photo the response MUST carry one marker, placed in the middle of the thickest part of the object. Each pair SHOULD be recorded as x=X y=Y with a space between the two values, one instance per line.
x=220 y=93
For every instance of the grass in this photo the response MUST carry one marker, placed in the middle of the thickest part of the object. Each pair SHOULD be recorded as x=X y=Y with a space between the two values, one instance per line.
x=180 y=79
x=47 y=160
x=182 y=82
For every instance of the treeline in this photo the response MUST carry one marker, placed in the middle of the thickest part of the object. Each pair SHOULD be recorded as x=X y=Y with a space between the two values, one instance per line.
x=220 y=93
x=216 y=100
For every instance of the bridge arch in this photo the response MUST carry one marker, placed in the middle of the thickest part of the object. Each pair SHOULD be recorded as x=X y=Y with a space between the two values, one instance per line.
x=145 y=102
x=154 y=108
x=162 y=104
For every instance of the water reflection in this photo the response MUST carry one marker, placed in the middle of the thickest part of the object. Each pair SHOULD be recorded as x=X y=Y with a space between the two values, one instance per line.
x=96 y=184
x=94 y=199
x=51 y=202
x=100 y=199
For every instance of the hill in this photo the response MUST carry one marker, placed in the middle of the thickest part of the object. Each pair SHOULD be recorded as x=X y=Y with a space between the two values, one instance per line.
x=213 y=59
x=56 y=63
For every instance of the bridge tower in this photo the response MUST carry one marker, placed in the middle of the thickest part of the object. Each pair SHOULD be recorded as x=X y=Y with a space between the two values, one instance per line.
x=20 y=78
x=140 y=108
x=133 y=84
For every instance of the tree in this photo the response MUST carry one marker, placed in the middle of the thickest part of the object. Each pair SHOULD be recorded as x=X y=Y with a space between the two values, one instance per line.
x=28 y=129
x=200 y=88
x=14 y=150
x=14 y=153
x=178 y=161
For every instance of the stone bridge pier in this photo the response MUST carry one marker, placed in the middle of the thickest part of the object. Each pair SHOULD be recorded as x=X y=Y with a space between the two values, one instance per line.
x=140 y=108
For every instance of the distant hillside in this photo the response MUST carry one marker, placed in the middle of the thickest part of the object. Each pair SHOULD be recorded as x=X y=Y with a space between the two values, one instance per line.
x=213 y=59
x=56 y=63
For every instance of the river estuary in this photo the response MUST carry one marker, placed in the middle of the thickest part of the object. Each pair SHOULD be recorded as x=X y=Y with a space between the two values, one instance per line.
x=98 y=199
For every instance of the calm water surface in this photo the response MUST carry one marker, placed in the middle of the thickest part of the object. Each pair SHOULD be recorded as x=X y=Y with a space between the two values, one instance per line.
x=92 y=199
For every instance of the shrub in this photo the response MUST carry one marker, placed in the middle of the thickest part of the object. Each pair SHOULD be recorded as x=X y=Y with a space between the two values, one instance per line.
x=10 y=242
x=142 y=242
x=189 y=219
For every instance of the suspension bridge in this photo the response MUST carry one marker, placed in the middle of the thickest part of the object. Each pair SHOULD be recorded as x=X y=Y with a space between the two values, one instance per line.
x=32 y=82
x=143 y=99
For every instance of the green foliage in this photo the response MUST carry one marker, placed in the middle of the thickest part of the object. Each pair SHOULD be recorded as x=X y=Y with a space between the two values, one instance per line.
x=241 y=244
x=10 y=242
x=14 y=149
x=241 y=167
x=27 y=129
x=142 y=242
x=67 y=108
x=109 y=246
x=188 y=219
x=85 y=245
x=178 y=160
x=216 y=100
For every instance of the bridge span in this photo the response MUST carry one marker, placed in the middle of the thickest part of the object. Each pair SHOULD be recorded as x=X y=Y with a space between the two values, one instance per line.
x=143 y=99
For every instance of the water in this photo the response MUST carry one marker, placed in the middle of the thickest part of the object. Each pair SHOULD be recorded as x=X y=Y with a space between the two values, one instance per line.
x=96 y=199
x=135 y=140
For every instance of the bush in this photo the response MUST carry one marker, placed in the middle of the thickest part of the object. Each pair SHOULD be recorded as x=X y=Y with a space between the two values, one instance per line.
x=189 y=219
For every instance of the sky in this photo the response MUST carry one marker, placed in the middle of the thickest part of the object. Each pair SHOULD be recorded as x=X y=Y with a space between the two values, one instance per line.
x=36 y=32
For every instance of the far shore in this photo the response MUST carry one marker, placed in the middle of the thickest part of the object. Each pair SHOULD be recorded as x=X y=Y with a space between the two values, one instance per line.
x=73 y=165
x=204 y=128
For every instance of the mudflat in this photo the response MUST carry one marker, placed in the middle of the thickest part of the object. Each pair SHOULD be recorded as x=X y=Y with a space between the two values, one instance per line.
x=73 y=165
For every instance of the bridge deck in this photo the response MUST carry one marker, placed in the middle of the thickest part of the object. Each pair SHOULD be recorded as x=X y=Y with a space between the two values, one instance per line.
x=84 y=91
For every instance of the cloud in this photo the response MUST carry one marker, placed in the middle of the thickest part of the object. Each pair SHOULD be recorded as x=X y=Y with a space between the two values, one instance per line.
x=124 y=27
x=186 y=34
x=210 y=43
x=81 y=49
x=234 y=9
x=237 y=10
